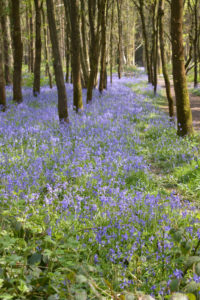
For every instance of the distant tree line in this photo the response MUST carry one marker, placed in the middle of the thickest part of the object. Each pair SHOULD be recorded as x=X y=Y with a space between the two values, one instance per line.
x=89 y=38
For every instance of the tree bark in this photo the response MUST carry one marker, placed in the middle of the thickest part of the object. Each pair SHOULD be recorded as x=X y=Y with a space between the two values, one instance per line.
x=17 y=50
x=38 y=48
x=46 y=55
x=31 y=52
x=94 y=44
x=62 y=95
x=163 y=60
x=111 y=41
x=184 y=115
x=72 y=7
x=195 y=44
x=120 y=47
x=103 y=48
x=140 y=8
x=6 y=44
x=2 y=80
x=84 y=47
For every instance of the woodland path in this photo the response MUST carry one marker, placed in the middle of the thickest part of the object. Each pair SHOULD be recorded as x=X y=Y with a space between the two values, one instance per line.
x=194 y=102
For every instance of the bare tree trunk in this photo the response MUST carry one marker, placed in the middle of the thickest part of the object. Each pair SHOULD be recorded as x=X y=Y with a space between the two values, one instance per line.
x=94 y=44
x=84 y=52
x=72 y=7
x=111 y=41
x=140 y=8
x=184 y=115
x=103 y=48
x=195 y=44
x=163 y=59
x=38 y=49
x=2 y=80
x=6 y=44
x=46 y=55
x=120 y=48
x=31 y=53
x=17 y=50
x=62 y=95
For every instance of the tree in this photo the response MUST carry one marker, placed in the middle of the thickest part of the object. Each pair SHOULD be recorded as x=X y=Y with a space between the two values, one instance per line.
x=72 y=7
x=62 y=95
x=184 y=115
x=103 y=47
x=38 y=48
x=120 y=47
x=94 y=8
x=2 y=80
x=17 y=50
x=163 y=60
x=6 y=43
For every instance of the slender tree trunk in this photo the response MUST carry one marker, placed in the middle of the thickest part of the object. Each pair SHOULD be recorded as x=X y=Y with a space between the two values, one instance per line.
x=6 y=44
x=67 y=54
x=196 y=44
x=72 y=7
x=31 y=52
x=111 y=41
x=94 y=45
x=2 y=80
x=163 y=59
x=140 y=8
x=38 y=48
x=17 y=50
x=103 y=48
x=62 y=95
x=46 y=55
x=84 y=51
x=120 y=47
x=184 y=115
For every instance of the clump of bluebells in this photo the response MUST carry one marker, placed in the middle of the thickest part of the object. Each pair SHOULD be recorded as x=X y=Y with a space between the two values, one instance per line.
x=82 y=213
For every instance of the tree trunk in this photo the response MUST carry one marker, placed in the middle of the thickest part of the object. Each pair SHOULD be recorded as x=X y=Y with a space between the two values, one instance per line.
x=31 y=53
x=163 y=59
x=38 y=48
x=111 y=41
x=94 y=45
x=72 y=7
x=46 y=55
x=2 y=80
x=6 y=44
x=196 y=44
x=184 y=115
x=120 y=48
x=84 y=51
x=17 y=50
x=62 y=95
x=103 y=48
x=140 y=8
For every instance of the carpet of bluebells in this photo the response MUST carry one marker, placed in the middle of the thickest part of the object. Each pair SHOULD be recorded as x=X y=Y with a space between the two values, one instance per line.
x=83 y=216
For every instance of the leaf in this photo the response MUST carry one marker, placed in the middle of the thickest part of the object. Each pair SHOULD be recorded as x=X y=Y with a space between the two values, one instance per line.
x=6 y=296
x=192 y=287
x=192 y=260
x=35 y=259
x=1 y=282
x=174 y=285
x=81 y=295
x=81 y=279
x=185 y=247
x=191 y=297
x=178 y=296
x=178 y=235
x=197 y=269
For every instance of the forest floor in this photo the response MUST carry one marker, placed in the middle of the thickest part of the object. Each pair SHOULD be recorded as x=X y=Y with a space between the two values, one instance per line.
x=194 y=102
x=83 y=214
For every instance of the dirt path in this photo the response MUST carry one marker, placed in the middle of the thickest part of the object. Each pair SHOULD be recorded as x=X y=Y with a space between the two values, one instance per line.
x=194 y=102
